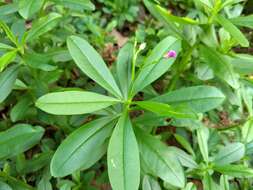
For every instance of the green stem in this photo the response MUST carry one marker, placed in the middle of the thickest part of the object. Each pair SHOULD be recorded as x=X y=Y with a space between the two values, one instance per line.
x=134 y=60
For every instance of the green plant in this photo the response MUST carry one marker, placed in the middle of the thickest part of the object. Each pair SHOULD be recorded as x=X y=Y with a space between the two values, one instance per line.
x=173 y=111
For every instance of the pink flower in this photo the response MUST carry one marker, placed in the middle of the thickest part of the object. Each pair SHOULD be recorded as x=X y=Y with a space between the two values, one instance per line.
x=171 y=54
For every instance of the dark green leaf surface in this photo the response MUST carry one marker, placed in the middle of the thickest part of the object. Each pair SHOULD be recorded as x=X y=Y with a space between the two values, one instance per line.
x=155 y=64
x=220 y=65
x=75 y=151
x=123 y=157
x=198 y=98
x=160 y=160
x=74 y=102
x=91 y=63
x=18 y=139
x=7 y=80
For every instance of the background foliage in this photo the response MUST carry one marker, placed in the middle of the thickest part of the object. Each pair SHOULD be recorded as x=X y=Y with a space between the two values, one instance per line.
x=90 y=100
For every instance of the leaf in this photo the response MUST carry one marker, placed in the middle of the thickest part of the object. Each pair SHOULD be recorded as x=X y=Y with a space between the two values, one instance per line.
x=18 y=139
x=243 y=63
x=91 y=63
x=230 y=2
x=165 y=109
x=247 y=131
x=244 y=21
x=43 y=25
x=208 y=182
x=124 y=62
x=9 y=8
x=170 y=26
x=8 y=32
x=169 y=17
x=190 y=186
x=39 y=61
x=233 y=30
x=207 y=3
x=224 y=183
x=184 y=143
x=184 y=158
x=149 y=183
x=16 y=183
x=199 y=98
x=229 y=154
x=75 y=151
x=6 y=59
x=36 y=163
x=6 y=47
x=20 y=109
x=4 y=186
x=123 y=157
x=202 y=136
x=220 y=65
x=7 y=80
x=159 y=159
x=76 y=4
x=240 y=171
x=74 y=102
x=27 y=8
x=155 y=64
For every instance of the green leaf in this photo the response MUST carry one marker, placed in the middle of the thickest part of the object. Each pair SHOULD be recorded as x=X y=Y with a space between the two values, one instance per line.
x=202 y=136
x=155 y=64
x=170 y=26
x=43 y=25
x=244 y=21
x=220 y=65
x=76 y=4
x=78 y=149
x=230 y=2
x=91 y=63
x=39 y=61
x=28 y=8
x=208 y=182
x=169 y=17
x=6 y=59
x=36 y=163
x=123 y=157
x=20 y=109
x=9 y=8
x=160 y=160
x=233 y=30
x=224 y=183
x=240 y=171
x=7 y=80
x=124 y=62
x=247 y=131
x=18 y=139
x=165 y=109
x=243 y=63
x=74 y=102
x=184 y=143
x=229 y=154
x=5 y=47
x=184 y=158
x=4 y=186
x=8 y=32
x=198 y=99
x=190 y=186
x=207 y=3
x=150 y=183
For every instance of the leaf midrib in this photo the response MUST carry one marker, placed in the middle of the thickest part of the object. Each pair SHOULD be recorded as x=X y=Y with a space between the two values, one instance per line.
x=81 y=144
